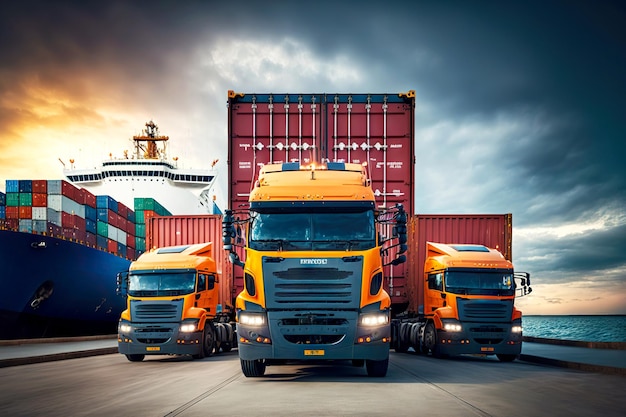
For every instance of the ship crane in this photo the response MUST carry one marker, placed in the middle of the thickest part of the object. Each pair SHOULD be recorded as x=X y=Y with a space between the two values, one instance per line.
x=147 y=143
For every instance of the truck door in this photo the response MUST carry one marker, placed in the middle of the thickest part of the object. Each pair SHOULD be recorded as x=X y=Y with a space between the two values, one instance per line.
x=433 y=294
x=206 y=292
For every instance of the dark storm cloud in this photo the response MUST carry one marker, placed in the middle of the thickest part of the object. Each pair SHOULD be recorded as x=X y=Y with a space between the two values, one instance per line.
x=521 y=106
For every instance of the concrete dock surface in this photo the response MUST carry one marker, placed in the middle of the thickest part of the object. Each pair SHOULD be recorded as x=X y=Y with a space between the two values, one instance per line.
x=585 y=356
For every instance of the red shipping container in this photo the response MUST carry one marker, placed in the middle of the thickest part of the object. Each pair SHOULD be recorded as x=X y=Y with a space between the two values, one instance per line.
x=79 y=195
x=79 y=223
x=40 y=186
x=40 y=200
x=377 y=130
x=111 y=246
x=90 y=199
x=122 y=210
x=130 y=253
x=53 y=229
x=68 y=220
x=68 y=190
x=12 y=224
x=12 y=212
x=186 y=230
x=130 y=240
x=90 y=239
x=25 y=212
x=491 y=230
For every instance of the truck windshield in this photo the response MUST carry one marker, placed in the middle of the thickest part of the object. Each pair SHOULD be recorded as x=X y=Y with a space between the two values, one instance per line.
x=312 y=231
x=161 y=284
x=480 y=282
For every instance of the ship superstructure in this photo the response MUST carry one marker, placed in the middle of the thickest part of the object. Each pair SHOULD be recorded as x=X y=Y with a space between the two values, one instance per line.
x=149 y=172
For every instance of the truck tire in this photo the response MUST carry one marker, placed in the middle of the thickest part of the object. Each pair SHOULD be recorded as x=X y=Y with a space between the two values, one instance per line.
x=227 y=345
x=376 y=369
x=401 y=343
x=208 y=342
x=135 y=358
x=506 y=358
x=430 y=340
x=252 y=368
x=219 y=336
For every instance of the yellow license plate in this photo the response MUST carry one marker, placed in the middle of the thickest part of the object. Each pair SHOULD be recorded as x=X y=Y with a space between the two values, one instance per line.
x=313 y=352
x=153 y=348
x=486 y=349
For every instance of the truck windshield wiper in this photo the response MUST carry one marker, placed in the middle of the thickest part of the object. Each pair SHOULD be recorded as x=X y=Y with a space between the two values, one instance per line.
x=280 y=242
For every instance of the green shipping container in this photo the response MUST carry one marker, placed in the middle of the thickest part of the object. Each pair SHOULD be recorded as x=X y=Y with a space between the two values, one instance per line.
x=102 y=228
x=13 y=199
x=26 y=199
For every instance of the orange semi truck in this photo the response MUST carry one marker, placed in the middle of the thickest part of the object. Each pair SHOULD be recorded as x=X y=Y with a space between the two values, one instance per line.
x=313 y=270
x=467 y=295
x=176 y=304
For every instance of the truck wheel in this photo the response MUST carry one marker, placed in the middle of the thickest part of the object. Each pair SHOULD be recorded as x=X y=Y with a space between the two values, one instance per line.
x=208 y=342
x=430 y=340
x=227 y=345
x=135 y=358
x=401 y=345
x=253 y=368
x=376 y=369
x=506 y=358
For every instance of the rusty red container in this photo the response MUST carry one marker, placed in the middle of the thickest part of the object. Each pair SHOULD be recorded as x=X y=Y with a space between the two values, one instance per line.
x=376 y=130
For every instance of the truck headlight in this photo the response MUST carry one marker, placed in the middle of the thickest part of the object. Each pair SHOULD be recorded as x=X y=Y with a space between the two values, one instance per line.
x=452 y=326
x=377 y=319
x=252 y=319
x=124 y=328
x=516 y=329
x=188 y=326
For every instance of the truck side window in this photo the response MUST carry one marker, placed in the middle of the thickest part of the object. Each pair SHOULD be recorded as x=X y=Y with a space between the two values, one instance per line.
x=201 y=282
x=435 y=281
x=211 y=280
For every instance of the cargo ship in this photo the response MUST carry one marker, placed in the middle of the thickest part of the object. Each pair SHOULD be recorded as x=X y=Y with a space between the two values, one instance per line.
x=62 y=242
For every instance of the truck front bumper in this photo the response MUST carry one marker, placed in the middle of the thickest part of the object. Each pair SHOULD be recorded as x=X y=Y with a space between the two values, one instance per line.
x=337 y=340
x=496 y=340
x=164 y=339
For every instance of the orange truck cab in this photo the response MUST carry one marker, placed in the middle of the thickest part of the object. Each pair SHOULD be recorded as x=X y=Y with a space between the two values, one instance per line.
x=174 y=305
x=313 y=273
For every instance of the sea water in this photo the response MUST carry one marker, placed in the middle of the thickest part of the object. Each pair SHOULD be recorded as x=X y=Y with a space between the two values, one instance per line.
x=583 y=328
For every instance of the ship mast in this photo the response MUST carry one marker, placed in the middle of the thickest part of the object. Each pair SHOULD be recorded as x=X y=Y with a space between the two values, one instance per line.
x=146 y=145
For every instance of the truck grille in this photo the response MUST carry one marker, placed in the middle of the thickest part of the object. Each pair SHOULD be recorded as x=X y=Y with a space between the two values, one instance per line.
x=485 y=310
x=334 y=283
x=156 y=310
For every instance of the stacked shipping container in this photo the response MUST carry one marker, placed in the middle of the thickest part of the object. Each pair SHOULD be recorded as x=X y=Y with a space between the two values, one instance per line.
x=145 y=209
x=59 y=209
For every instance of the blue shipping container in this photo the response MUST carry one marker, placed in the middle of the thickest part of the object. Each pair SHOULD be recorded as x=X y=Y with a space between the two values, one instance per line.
x=12 y=186
x=25 y=186
x=105 y=201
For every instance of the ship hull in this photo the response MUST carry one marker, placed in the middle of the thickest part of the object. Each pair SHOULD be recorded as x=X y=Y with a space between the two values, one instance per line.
x=53 y=287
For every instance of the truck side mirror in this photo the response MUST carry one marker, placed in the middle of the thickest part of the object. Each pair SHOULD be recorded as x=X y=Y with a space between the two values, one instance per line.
x=121 y=284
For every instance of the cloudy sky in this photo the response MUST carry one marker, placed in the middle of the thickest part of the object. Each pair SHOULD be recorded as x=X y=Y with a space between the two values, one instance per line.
x=521 y=106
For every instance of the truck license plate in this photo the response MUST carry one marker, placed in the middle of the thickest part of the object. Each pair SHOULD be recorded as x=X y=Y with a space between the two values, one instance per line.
x=486 y=349
x=313 y=352
x=153 y=348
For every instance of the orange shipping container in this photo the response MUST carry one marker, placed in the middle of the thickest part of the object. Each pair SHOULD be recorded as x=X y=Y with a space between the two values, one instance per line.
x=26 y=212
x=190 y=229
x=40 y=200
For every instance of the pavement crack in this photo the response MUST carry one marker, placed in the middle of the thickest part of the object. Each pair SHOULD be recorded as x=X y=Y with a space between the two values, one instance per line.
x=204 y=395
x=461 y=401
